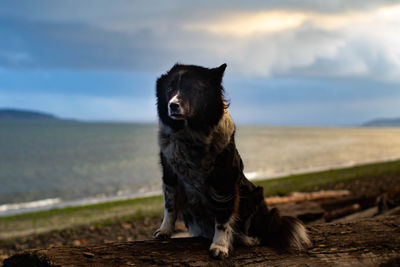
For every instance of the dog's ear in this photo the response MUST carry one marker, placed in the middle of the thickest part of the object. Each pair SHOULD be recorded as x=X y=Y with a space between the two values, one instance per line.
x=218 y=73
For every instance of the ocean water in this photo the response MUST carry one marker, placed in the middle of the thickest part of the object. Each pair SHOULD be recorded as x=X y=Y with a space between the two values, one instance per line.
x=54 y=164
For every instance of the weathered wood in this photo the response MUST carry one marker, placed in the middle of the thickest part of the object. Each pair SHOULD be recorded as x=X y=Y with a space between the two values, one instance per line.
x=306 y=211
x=365 y=201
x=368 y=213
x=307 y=196
x=395 y=211
x=368 y=242
x=338 y=213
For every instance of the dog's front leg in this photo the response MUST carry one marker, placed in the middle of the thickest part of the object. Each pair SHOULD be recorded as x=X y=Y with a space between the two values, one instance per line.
x=224 y=222
x=223 y=238
x=168 y=224
x=170 y=201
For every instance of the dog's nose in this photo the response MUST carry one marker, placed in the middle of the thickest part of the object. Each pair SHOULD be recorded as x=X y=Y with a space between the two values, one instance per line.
x=174 y=107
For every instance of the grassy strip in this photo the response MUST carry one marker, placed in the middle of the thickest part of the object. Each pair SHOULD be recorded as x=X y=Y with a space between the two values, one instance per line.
x=309 y=181
x=137 y=202
x=42 y=221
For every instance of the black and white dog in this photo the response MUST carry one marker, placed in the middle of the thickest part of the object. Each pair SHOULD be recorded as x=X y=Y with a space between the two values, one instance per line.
x=203 y=180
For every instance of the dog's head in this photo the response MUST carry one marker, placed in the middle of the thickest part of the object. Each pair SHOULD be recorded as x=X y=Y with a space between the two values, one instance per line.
x=191 y=93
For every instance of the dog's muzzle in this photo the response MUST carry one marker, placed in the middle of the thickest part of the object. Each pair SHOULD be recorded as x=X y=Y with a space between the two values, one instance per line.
x=175 y=110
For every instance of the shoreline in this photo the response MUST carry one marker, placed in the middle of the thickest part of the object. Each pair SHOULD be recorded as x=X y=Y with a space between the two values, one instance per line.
x=56 y=203
x=12 y=209
x=259 y=176
x=31 y=207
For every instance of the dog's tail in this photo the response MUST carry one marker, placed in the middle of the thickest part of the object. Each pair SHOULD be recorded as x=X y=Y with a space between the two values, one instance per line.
x=282 y=232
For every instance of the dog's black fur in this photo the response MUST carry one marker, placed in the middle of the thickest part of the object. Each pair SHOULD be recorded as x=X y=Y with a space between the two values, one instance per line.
x=203 y=180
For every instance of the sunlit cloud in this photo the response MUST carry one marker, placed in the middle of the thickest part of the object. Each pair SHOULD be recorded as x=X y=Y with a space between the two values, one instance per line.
x=390 y=12
x=273 y=40
x=249 y=23
x=349 y=43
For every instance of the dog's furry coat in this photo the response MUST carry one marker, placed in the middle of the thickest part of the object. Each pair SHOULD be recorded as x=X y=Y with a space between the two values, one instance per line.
x=203 y=180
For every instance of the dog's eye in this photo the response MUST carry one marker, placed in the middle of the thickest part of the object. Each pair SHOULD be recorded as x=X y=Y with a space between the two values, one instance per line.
x=169 y=89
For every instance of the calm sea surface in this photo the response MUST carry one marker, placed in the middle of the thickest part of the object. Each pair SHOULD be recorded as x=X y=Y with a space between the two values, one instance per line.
x=54 y=164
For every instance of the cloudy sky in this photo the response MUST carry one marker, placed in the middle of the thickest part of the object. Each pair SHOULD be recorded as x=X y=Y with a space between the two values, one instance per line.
x=330 y=63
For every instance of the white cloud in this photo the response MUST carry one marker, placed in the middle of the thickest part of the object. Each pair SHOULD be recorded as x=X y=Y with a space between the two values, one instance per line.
x=311 y=38
x=283 y=42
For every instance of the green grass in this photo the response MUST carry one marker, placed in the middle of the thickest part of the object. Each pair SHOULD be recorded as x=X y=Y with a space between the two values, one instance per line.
x=36 y=222
x=308 y=181
x=104 y=213
x=139 y=204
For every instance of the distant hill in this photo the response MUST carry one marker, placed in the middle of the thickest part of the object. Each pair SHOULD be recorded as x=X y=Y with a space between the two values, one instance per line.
x=17 y=114
x=383 y=123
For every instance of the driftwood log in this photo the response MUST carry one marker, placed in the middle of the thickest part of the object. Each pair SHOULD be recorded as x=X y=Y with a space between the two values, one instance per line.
x=307 y=196
x=368 y=242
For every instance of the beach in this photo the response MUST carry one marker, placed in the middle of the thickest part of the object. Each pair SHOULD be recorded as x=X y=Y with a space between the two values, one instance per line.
x=137 y=219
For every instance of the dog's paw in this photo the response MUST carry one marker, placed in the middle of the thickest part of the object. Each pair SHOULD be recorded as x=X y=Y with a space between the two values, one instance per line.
x=218 y=251
x=162 y=234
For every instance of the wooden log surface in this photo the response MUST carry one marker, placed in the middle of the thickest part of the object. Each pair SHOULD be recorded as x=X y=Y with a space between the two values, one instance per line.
x=307 y=196
x=369 y=242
